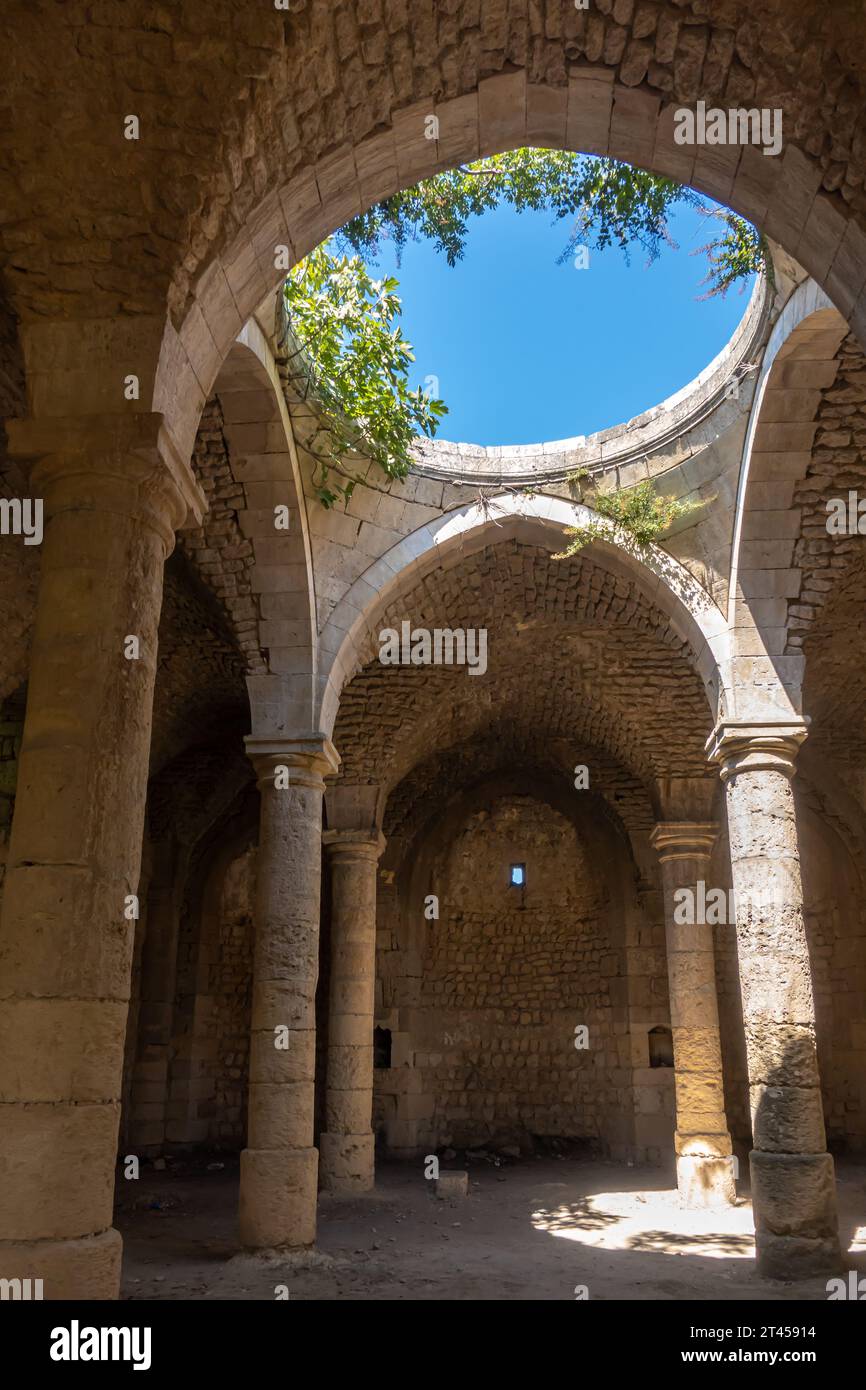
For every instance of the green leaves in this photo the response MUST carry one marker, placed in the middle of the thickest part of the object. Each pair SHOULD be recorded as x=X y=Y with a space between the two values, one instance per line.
x=640 y=512
x=611 y=204
x=356 y=359
x=740 y=251
x=358 y=363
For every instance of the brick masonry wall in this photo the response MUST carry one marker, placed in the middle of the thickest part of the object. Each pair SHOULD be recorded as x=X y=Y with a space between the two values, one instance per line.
x=210 y=1066
x=836 y=465
x=222 y=554
x=505 y=977
x=229 y=984
x=572 y=651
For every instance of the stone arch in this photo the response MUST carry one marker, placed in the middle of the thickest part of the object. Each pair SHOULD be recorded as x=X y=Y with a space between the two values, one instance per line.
x=585 y=109
x=799 y=361
x=272 y=603
x=625 y=917
x=188 y=801
x=628 y=794
x=206 y=954
x=348 y=638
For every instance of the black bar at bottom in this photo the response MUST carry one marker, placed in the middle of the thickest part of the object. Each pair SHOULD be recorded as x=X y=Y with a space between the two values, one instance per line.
x=256 y=1339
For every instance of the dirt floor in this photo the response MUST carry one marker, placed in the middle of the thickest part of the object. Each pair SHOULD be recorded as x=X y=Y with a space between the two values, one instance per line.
x=530 y=1229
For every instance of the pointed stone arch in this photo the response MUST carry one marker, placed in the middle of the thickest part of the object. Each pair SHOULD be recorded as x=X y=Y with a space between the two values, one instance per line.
x=348 y=640
x=589 y=110
x=799 y=362
x=272 y=600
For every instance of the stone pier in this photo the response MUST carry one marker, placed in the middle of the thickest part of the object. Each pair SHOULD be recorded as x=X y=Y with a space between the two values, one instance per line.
x=347 y=1142
x=793 y=1191
x=279 y=1167
x=113 y=494
x=702 y=1141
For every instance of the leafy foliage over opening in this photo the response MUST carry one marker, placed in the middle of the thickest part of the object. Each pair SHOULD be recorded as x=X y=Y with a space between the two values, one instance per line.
x=351 y=355
x=610 y=204
x=356 y=367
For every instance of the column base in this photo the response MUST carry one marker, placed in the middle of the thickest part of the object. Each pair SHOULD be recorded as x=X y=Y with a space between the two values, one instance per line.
x=87 y=1267
x=348 y=1163
x=705 y=1181
x=794 y=1203
x=796 y=1257
x=277 y=1204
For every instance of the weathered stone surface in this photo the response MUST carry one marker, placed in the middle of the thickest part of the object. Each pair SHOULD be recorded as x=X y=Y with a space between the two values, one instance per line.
x=347 y=1142
x=279 y=1168
x=295 y=120
x=451 y=1184
x=792 y=1178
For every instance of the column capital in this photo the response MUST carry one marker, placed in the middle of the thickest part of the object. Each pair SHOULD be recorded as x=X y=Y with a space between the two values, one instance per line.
x=125 y=463
x=745 y=745
x=684 y=839
x=355 y=806
x=354 y=844
x=308 y=758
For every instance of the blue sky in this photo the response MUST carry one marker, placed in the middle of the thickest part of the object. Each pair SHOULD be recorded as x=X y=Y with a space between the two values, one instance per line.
x=527 y=350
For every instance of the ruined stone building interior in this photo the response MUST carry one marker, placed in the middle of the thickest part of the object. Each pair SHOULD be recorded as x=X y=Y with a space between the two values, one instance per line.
x=304 y=952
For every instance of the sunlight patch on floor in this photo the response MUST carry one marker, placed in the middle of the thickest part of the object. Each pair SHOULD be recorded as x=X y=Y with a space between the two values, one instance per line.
x=650 y=1221
x=858 y=1241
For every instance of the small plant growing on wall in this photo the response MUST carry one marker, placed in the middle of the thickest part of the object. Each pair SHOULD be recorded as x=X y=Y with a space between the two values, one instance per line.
x=640 y=512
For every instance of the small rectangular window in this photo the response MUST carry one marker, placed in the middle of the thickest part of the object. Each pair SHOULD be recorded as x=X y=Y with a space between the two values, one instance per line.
x=518 y=876
x=382 y=1047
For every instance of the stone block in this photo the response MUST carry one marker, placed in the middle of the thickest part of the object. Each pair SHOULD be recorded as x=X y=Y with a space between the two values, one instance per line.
x=451 y=1184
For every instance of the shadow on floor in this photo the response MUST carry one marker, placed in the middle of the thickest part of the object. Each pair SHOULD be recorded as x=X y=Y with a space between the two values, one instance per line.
x=536 y=1229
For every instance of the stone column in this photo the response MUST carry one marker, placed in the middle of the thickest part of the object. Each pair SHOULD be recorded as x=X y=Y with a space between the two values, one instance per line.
x=279 y=1168
x=793 y=1189
x=113 y=495
x=347 y=1141
x=703 y=1144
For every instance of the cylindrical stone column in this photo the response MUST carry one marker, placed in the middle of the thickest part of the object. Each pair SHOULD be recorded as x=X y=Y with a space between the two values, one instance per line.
x=67 y=925
x=279 y=1167
x=705 y=1176
x=793 y=1188
x=347 y=1159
